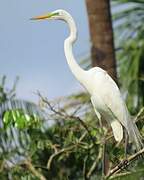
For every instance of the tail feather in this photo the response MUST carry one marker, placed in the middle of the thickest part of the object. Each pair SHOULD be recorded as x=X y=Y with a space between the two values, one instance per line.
x=134 y=135
x=117 y=130
x=133 y=132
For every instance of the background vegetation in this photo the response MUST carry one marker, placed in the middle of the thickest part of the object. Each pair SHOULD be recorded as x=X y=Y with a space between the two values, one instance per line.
x=62 y=139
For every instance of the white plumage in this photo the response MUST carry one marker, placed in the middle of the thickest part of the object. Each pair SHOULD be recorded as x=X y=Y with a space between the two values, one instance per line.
x=108 y=102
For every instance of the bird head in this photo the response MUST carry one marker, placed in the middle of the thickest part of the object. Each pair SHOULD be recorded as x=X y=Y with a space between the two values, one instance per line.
x=58 y=14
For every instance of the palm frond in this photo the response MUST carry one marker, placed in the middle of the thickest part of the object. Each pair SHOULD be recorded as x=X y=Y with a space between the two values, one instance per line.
x=15 y=140
x=27 y=107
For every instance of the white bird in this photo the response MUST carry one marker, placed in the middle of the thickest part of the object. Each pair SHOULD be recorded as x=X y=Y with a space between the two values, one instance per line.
x=105 y=94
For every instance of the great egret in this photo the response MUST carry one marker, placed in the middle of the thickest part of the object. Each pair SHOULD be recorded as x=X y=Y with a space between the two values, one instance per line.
x=105 y=95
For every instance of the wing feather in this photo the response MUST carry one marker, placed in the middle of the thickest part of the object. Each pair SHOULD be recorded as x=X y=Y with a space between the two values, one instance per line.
x=109 y=103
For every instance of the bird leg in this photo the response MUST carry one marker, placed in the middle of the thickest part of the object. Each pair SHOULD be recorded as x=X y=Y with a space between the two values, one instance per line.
x=126 y=142
x=105 y=161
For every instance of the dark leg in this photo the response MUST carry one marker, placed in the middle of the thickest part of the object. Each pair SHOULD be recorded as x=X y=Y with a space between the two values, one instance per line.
x=126 y=142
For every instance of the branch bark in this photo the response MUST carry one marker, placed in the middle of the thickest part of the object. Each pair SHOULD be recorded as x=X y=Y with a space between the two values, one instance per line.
x=70 y=148
x=95 y=163
x=34 y=171
x=126 y=162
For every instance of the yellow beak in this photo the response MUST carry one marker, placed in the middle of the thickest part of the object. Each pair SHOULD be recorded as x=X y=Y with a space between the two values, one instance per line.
x=49 y=15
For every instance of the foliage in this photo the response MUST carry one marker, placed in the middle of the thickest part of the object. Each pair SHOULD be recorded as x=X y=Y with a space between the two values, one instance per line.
x=72 y=148
x=21 y=114
x=16 y=118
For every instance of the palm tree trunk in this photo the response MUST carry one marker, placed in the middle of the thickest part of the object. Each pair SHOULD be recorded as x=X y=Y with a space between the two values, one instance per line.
x=102 y=50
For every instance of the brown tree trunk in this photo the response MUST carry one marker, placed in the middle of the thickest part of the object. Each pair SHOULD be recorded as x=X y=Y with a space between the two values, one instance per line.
x=102 y=50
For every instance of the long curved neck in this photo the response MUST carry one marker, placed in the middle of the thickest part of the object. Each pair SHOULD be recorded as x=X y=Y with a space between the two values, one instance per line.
x=78 y=72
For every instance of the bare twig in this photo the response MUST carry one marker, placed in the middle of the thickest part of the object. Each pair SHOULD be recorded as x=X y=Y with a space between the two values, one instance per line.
x=139 y=114
x=41 y=167
x=70 y=148
x=55 y=147
x=84 y=168
x=34 y=171
x=50 y=106
x=76 y=110
x=95 y=163
x=126 y=174
x=58 y=153
x=85 y=126
x=126 y=162
x=66 y=116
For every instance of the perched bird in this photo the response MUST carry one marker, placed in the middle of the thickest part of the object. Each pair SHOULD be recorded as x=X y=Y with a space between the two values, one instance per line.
x=105 y=94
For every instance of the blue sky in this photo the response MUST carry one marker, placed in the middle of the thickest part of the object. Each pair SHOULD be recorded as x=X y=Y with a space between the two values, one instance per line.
x=34 y=50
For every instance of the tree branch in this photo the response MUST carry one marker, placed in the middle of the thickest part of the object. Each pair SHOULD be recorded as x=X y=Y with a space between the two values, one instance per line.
x=126 y=162
x=66 y=116
x=95 y=163
x=63 y=151
x=34 y=171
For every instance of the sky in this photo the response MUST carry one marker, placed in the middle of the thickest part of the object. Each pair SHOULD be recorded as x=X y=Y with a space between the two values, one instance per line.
x=34 y=50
